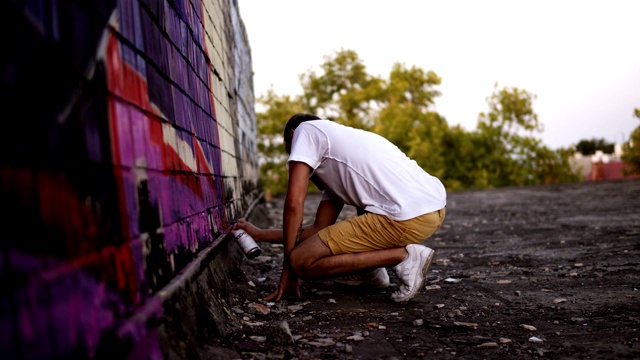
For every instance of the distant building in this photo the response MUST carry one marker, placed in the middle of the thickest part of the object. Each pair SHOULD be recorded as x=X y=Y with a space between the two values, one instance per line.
x=600 y=166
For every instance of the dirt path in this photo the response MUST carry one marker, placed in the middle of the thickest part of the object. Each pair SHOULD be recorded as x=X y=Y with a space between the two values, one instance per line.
x=521 y=273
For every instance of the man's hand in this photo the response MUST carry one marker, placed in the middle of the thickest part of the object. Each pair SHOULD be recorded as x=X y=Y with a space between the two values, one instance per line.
x=251 y=229
x=288 y=282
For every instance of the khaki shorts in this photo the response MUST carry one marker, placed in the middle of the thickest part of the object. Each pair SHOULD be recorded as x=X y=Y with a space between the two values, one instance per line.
x=374 y=232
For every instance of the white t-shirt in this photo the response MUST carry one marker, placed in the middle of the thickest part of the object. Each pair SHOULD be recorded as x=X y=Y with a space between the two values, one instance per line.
x=366 y=170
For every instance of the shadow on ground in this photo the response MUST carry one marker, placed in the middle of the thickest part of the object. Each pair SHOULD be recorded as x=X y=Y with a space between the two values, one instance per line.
x=530 y=272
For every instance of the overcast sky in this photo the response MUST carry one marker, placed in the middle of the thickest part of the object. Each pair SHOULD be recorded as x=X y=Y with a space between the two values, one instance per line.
x=580 y=58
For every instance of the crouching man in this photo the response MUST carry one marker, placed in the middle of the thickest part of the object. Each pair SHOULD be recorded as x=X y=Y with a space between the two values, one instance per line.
x=402 y=205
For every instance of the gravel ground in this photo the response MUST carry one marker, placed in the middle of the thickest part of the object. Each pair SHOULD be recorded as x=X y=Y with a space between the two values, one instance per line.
x=520 y=273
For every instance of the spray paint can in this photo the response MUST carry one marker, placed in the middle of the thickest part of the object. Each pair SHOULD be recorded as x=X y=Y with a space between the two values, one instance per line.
x=246 y=242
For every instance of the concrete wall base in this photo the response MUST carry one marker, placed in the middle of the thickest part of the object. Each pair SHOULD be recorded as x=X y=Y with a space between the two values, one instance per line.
x=192 y=317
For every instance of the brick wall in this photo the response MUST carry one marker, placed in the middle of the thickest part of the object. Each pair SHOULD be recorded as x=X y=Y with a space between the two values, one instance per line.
x=128 y=147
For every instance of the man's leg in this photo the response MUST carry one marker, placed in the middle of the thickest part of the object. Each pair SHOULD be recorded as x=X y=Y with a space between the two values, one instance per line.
x=368 y=242
x=313 y=259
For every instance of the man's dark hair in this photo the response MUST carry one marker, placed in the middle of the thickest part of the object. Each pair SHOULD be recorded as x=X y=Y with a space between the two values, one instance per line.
x=296 y=120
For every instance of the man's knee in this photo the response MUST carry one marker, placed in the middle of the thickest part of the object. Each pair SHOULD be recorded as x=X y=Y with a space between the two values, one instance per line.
x=304 y=257
x=299 y=263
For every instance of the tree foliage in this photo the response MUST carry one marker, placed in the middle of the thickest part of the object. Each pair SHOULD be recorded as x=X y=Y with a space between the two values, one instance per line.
x=631 y=150
x=590 y=146
x=405 y=117
x=272 y=155
x=501 y=151
x=512 y=155
x=343 y=92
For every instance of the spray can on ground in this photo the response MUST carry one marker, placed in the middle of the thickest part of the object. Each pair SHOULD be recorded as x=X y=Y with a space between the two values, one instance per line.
x=246 y=242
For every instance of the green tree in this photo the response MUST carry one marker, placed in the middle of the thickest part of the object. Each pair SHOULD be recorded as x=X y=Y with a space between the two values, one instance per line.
x=343 y=92
x=631 y=150
x=502 y=151
x=507 y=151
x=405 y=117
x=272 y=156
x=465 y=154
x=514 y=156
x=404 y=104
x=589 y=147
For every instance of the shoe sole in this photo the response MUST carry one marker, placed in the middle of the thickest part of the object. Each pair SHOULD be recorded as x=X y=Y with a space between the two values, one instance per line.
x=418 y=287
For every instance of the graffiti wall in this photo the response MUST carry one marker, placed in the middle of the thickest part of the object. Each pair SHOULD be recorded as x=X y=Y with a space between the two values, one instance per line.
x=128 y=146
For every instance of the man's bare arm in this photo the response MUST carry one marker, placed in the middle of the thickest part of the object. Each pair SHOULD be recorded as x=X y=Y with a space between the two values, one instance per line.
x=294 y=204
x=326 y=215
x=292 y=220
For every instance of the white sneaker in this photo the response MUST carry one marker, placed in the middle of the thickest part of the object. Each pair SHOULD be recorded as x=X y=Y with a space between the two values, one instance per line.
x=412 y=271
x=378 y=278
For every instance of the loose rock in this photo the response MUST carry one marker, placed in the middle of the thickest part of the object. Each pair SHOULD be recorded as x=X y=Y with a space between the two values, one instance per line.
x=488 y=345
